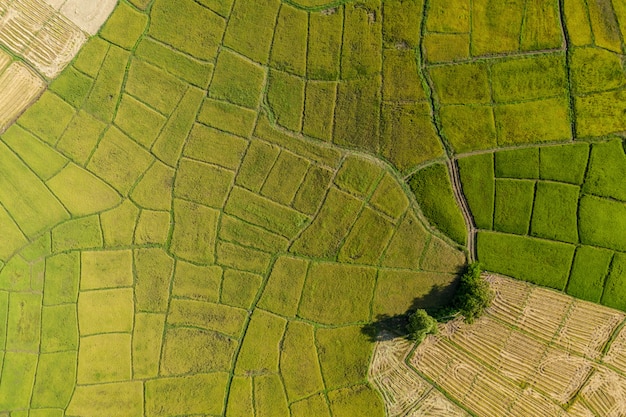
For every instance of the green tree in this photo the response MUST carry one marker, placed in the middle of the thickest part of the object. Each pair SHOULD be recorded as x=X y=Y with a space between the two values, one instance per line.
x=474 y=294
x=421 y=324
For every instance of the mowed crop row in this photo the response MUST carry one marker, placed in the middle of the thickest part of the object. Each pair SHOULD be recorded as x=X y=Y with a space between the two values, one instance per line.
x=561 y=371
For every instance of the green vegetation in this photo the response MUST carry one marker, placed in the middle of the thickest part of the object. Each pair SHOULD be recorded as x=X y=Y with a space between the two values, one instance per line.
x=420 y=325
x=433 y=191
x=555 y=211
x=513 y=206
x=477 y=177
x=473 y=295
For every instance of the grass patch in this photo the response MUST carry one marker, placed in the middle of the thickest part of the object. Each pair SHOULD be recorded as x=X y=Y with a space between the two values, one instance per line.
x=606 y=30
x=170 y=142
x=566 y=163
x=81 y=233
x=299 y=363
x=94 y=400
x=227 y=117
x=257 y=163
x=323 y=237
x=106 y=269
x=400 y=291
x=124 y=27
x=106 y=311
x=542 y=26
x=312 y=191
x=72 y=86
x=390 y=197
x=187 y=350
x=408 y=136
x=448 y=16
x=356 y=400
x=285 y=97
x=529 y=78
x=361 y=53
x=239 y=288
x=555 y=212
x=189 y=69
x=203 y=28
x=246 y=259
x=237 y=80
x=496 y=26
x=92 y=54
x=269 y=396
x=264 y=212
x=477 y=178
x=401 y=75
x=119 y=160
x=319 y=109
x=195 y=230
x=284 y=179
x=251 y=28
x=154 y=190
x=518 y=163
x=590 y=267
x=357 y=114
x=139 y=121
x=602 y=222
x=344 y=354
x=462 y=83
x=62 y=277
x=203 y=183
x=324 y=48
x=367 y=240
x=358 y=176
x=337 y=294
x=104 y=94
x=104 y=358
x=240 y=398
x=153 y=269
x=616 y=284
x=402 y=21
x=538 y=261
x=446 y=47
x=48 y=117
x=215 y=147
x=533 y=122
x=59 y=328
x=468 y=128
x=284 y=286
x=197 y=282
x=201 y=393
x=433 y=191
x=290 y=41
x=245 y=234
x=152 y=227
x=54 y=383
x=146 y=345
x=154 y=86
x=260 y=348
x=24 y=322
x=18 y=377
x=577 y=22
x=605 y=176
x=600 y=114
x=407 y=245
x=81 y=137
x=595 y=69
x=514 y=205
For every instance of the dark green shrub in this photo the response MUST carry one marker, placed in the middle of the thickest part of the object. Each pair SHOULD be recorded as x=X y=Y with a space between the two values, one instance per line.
x=474 y=294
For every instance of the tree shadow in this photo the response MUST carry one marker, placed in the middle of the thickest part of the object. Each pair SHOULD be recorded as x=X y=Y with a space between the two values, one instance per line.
x=387 y=327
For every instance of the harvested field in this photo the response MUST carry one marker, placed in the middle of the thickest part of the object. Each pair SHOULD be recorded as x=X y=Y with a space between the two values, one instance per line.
x=506 y=364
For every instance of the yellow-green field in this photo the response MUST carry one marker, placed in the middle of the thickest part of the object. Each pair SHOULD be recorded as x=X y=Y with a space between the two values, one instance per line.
x=209 y=207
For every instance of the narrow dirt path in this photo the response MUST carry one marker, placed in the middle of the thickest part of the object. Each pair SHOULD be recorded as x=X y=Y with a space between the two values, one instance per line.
x=455 y=179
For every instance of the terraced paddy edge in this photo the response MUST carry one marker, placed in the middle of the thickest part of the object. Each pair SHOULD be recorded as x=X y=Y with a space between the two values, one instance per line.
x=535 y=352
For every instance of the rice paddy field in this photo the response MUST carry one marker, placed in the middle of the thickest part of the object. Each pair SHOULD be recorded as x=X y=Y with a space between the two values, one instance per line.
x=207 y=205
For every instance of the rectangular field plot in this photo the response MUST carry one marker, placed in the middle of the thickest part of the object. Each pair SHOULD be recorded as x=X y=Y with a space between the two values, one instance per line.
x=324 y=45
x=290 y=41
x=477 y=177
x=555 y=212
x=513 y=206
x=589 y=270
x=362 y=40
x=496 y=26
x=602 y=222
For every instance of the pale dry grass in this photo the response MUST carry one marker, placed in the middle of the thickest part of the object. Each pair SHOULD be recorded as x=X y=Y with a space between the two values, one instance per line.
x=20 y=86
